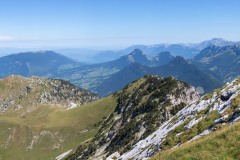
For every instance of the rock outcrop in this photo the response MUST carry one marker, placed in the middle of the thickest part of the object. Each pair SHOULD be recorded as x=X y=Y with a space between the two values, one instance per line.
x=18 y=92
x=155 y=114
x=192 y=122
x=142 y=108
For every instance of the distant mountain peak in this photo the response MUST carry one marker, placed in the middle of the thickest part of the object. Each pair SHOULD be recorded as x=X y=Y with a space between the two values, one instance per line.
x=219 y=42
x=137 y=51
x=137 y=55
x=41 y=52
x=209 y=51
x=164 y=53
x=162 y=58
x=39 y=63
x=223 y=61
x=179 y=60
x=215 y=41
x=212 y=47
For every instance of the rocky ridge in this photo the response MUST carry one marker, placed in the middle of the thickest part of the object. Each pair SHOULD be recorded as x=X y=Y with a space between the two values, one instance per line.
x=142 y=108
x=132 y=132
x=199 y=118
x=18 y=92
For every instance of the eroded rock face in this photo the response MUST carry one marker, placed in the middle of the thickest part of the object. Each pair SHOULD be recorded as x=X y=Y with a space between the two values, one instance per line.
x=18 y=92
x=142 y=107
x=198 y=118
x=203 y=116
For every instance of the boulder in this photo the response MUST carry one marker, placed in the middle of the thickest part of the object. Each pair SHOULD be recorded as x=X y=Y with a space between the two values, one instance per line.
x=226 y=95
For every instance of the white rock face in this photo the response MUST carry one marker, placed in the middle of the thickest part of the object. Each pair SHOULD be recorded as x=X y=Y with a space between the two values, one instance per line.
x=113 y=156
x=192 y=123
x=144 y=148
x=60 y=157
x=206 y=132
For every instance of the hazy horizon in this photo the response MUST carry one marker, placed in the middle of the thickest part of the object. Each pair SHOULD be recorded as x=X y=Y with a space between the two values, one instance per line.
x=101 y=48
x=115 y=24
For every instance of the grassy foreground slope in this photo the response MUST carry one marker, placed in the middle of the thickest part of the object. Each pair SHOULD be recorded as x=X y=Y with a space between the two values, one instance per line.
x=49 y=131
x=219 y=145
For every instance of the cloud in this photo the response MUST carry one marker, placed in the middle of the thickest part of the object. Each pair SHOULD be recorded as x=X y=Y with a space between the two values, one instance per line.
x=6 y=38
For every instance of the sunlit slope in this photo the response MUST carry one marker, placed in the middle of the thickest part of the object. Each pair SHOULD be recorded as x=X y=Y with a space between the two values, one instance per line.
x=222 y=144
x=50 y=131
x=47 y=131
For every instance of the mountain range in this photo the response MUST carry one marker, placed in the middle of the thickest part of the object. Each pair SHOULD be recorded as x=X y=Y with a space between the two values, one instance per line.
x=212 y=67
x=178 y=67
x=42 y=63
x=91 y=76
x=223 y=61
x=206 y=71
x=186 y=50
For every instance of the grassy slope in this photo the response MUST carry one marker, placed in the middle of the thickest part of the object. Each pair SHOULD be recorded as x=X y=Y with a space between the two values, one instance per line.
x=220 y=145
x=73 y=126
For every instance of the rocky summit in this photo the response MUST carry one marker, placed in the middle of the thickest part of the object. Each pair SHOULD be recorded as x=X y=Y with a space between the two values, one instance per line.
x=20 y=93
x=142 y=107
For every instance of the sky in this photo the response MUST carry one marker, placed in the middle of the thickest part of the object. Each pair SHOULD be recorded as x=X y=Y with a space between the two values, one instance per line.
x=115 y=23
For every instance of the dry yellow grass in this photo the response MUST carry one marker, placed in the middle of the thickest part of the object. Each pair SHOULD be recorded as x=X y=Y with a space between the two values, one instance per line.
x=219 y=145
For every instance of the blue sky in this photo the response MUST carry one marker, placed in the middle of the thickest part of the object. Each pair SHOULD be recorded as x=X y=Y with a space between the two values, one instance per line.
x=115 y=23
